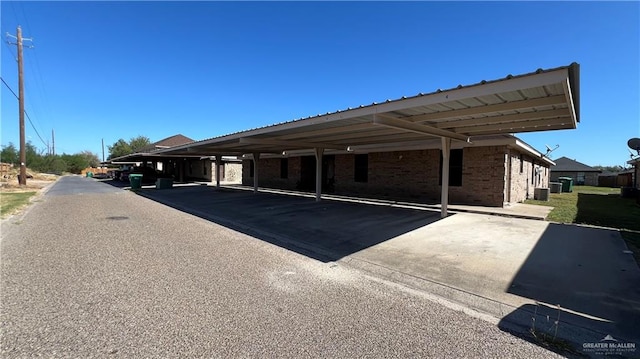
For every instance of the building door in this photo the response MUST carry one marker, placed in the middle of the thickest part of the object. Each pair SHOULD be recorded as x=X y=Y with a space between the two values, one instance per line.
x=328 y=173
x=307 y=173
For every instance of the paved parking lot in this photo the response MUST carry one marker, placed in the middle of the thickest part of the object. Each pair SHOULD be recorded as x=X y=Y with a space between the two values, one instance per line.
x=508 y=267
x=91 y=272
x=95 y=269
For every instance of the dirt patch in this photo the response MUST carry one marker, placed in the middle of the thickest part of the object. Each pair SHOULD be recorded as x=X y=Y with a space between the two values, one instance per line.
x=39 y=181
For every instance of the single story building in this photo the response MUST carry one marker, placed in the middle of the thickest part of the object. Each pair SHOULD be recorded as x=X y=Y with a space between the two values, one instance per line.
x=186 y=167
x=581 y=173
x=456 y=143
x=493 y=171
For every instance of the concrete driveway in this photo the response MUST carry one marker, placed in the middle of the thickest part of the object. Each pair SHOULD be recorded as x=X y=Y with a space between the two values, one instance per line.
x=516 y=270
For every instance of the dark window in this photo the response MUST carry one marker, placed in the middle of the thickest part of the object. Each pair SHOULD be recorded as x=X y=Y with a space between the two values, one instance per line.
x=284 y=168
x=521 y=164
x=251 y=168
x=361 y=173
x=455 y=168
x=533 y=171
x=204 y=167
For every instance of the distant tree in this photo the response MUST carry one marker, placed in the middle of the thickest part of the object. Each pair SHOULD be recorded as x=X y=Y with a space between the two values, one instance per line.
x=139 y=142
x=9 y=154
x=118 y=149
x=123 y=148
x=34 y=159
x=614 y=169
x=91 y=158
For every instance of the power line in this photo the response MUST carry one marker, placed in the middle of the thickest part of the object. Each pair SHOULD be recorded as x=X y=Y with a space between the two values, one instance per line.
x=25 y=112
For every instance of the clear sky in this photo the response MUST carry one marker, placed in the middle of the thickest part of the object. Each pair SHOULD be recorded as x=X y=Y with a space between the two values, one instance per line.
x=110 y=70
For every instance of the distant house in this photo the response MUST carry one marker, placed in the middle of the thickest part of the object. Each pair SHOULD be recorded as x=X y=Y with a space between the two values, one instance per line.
x=581 y=173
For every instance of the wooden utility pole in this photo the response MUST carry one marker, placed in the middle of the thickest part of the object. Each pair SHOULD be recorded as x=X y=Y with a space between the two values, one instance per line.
x=53 y=143
x=23 y=154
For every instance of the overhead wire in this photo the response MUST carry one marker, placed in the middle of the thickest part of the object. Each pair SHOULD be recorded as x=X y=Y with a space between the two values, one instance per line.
x=27 y=78
x=25 y=112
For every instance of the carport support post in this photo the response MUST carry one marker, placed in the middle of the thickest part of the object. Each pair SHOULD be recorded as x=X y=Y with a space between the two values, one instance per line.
x=319 y=153
x=218 y=162
x=444 y=197
x=256 y=157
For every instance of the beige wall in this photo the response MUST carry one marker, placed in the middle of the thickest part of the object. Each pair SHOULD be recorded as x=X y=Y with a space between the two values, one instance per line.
x=414 y=175
x=232 y=172
x=524 y=176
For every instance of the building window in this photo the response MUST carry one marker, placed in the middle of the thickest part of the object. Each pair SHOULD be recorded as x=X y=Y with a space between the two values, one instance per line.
x=284 y=168
x=251 y=168
x=521 y=164
x=361 y=168
x=533 y=172
x=204 y=167
x=580 y=178
x=455 y=168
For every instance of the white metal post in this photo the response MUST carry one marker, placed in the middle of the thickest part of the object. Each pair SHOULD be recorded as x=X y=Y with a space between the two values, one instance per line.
x=319 y=153
x=444 y=197
x=256 y=157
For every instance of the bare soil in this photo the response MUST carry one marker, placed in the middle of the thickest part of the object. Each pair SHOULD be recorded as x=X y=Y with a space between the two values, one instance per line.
x=9 y=182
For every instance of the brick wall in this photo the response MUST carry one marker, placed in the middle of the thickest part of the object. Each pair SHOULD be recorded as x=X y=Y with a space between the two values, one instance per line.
x=232 y=172
x=269 y=173
x=524 y=178
x=199 y=169
x=405 y=175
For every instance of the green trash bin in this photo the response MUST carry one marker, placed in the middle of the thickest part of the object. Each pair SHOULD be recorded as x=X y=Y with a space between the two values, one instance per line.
x=567 y=184
x=136 y=180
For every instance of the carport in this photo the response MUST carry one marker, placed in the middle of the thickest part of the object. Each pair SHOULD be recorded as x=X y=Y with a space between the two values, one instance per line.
x=540 y=101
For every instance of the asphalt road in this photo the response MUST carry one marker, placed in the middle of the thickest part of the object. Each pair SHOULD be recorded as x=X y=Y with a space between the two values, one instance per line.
x=94 y=271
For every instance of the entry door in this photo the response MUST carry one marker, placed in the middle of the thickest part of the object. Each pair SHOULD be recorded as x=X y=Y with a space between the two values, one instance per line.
x=307 y=173
x=328 y=173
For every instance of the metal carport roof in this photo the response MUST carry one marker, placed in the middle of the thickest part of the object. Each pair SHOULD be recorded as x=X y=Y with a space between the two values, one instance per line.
x=539 y=101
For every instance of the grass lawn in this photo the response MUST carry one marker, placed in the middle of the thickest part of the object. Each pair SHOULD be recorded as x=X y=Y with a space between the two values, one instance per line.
x=599 y=206
x=12 y=201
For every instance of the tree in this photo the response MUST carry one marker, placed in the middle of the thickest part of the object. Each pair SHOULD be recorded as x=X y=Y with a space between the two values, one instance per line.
x=91 y=158
x=123 y=148
x=139 y=142
x=614 y=169
x=9 y=154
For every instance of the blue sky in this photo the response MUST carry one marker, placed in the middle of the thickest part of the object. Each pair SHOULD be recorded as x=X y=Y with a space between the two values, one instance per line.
x=110 y=70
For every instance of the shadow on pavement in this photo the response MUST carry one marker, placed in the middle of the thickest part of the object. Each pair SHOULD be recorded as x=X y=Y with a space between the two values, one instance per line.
x=587 y=272
x=326 y=230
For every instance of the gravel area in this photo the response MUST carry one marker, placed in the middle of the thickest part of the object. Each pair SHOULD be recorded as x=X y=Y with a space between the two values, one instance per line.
x=95 y=271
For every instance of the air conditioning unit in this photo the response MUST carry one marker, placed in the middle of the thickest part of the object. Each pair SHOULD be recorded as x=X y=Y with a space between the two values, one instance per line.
x=541 y=194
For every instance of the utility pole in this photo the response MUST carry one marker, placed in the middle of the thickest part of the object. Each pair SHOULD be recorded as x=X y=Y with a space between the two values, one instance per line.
x=103 y=150
x=23 y=154
x=53 y=143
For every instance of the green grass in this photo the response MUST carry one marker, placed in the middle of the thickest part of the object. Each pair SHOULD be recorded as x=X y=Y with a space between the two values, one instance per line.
x=598 y=206
x=13 y=201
